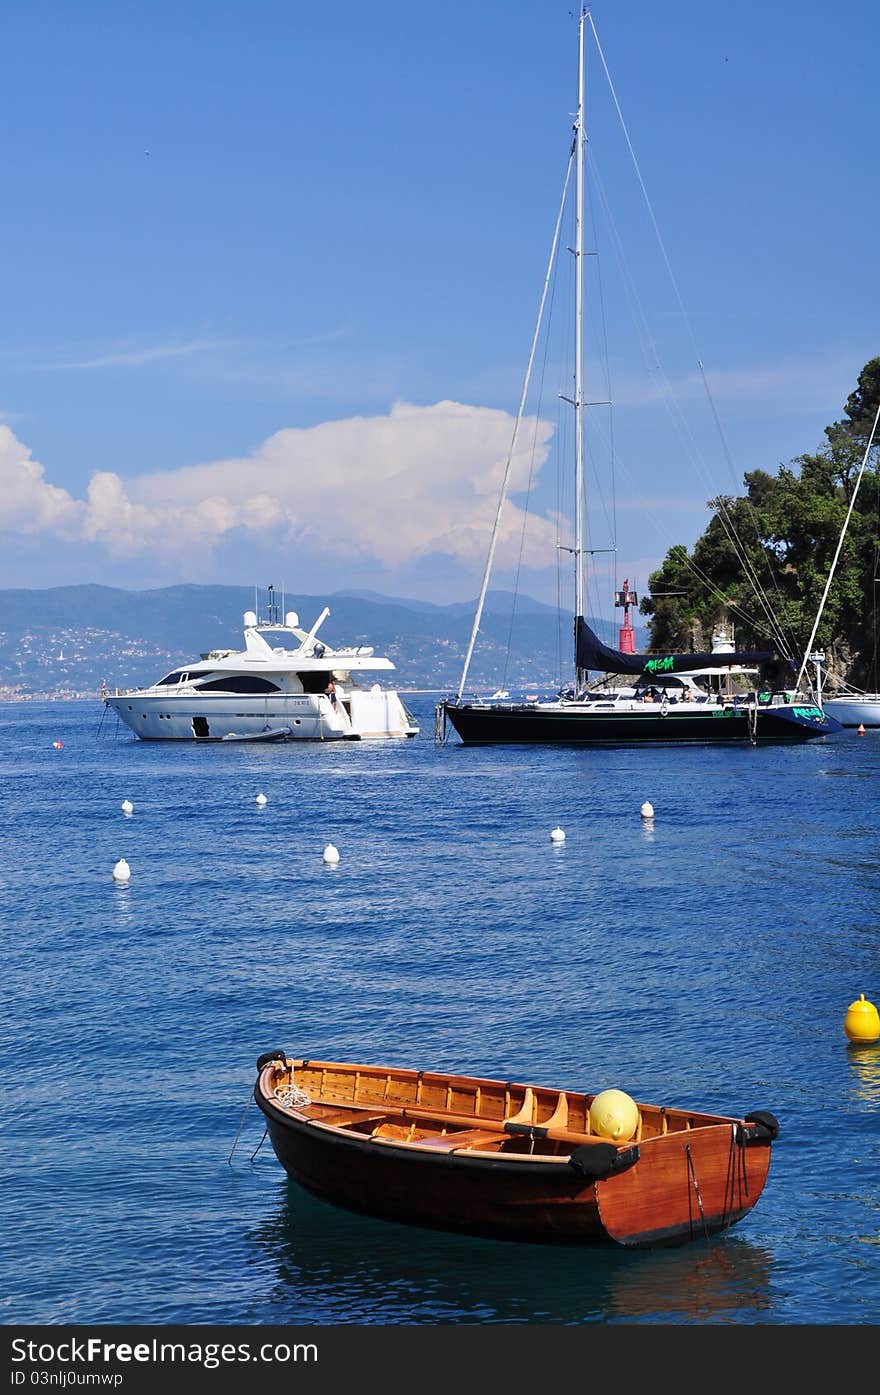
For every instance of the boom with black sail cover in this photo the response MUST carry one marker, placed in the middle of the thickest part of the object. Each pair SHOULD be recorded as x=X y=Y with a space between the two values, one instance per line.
x=592 y=654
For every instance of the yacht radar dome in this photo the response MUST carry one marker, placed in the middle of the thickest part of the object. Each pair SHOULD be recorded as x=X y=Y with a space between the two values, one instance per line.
x=250 y=619
x=291 y=620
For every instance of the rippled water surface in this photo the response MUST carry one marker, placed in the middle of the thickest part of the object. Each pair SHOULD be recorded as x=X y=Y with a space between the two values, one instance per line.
x=707 y=961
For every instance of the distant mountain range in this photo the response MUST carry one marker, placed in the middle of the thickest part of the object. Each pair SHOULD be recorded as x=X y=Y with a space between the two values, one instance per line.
x=65 y=640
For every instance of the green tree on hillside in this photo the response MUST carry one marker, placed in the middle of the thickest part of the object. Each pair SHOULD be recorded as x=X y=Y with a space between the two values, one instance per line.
x=764 y=558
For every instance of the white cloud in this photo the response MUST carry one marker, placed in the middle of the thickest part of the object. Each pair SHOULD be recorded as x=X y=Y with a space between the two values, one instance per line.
x=28 y=503
x=416 y=482
x=123 y=357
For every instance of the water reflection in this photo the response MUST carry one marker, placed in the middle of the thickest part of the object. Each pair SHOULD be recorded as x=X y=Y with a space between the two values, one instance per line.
x=336 y=1267
x=864 y=1058
x=122 y=903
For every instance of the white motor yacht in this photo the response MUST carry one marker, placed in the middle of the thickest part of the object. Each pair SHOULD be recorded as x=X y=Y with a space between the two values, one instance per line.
x=285 y=685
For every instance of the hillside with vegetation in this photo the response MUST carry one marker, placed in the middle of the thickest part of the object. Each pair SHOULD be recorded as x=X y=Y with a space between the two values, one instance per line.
x=65 y=640
x=763 y=561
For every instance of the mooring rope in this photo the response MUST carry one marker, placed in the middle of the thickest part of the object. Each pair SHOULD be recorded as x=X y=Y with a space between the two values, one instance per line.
x=260 y=1144
x=696 y=1187
x=292 y=1095
x=240 y=1127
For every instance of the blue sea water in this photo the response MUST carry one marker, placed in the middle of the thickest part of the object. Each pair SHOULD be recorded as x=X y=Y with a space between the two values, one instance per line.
x=707 y=961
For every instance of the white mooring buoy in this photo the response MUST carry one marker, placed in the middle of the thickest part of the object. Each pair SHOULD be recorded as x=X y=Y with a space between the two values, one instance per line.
x=126 y=806
x=122 y=871
x=647 y=810
x=331 y=854
x=261 y=800
x=557 y=835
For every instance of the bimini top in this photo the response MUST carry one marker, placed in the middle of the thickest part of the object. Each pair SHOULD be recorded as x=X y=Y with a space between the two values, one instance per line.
x=591 y=653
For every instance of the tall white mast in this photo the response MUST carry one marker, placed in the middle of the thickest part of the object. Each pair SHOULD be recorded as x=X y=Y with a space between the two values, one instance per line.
x=580 y=140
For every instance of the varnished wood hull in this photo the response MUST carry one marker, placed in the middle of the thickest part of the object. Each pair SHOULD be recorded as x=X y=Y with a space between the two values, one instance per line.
x=668 y=1189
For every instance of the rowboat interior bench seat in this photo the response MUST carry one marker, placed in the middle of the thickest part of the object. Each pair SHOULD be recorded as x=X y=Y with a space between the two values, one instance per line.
x=463 y=1138
x=346 y=1118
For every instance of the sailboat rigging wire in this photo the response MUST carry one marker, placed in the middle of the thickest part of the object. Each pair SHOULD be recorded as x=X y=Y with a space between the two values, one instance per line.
x=522 y=535
x=809 y=648
x=606 y=363
x=738 y=547
x=503 y=495
x=770 y=628
x=680 y=423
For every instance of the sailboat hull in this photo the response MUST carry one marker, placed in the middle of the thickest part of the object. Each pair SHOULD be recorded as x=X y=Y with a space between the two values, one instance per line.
x=636 y=724
x=863 y=711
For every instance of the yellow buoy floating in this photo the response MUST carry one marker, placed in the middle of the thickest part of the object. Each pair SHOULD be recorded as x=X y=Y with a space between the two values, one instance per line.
x=614 y=1115
x=862 y=1021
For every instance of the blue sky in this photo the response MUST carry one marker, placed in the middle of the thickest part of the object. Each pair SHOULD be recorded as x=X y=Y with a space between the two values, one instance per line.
x=270 y=276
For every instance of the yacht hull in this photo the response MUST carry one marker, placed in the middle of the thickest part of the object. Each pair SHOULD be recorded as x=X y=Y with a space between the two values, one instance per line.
x=305 y=717
x=583 y=724
x=854 y=711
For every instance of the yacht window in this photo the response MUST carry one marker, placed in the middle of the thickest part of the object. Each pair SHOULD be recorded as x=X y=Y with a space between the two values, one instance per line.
x=178 y=677
x=315 y=680
x=239 y=683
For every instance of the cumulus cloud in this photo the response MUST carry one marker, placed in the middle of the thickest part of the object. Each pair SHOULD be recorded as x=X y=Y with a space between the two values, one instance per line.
x=416 y=482
x=28 y=503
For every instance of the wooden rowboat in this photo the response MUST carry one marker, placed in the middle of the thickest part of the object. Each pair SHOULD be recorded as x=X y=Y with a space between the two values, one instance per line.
x=520 y=1162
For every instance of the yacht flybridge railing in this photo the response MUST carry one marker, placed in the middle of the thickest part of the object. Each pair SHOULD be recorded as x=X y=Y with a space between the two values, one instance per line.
x=809 y=649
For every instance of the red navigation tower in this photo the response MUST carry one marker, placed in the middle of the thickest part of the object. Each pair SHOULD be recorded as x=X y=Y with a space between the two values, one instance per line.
x=626 y=598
